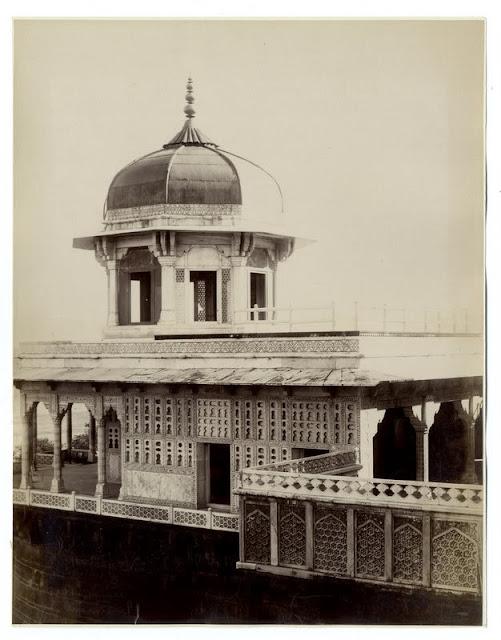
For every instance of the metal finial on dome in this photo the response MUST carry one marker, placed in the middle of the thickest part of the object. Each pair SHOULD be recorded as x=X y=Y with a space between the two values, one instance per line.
x=190 y=99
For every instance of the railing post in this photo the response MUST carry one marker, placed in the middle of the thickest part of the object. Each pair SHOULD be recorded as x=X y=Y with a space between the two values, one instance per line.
x=273 y=532
x=350 y=542
x=308 y=517
x=72 y=501
x=426 y=550
x=388 y=545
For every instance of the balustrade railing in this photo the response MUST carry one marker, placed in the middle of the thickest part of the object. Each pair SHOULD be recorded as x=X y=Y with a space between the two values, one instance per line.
x=206 y=519
x=343 y=460
x=358 y=317
x=324 y=487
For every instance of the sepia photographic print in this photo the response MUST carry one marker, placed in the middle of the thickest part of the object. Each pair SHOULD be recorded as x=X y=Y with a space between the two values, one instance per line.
x=249 y=321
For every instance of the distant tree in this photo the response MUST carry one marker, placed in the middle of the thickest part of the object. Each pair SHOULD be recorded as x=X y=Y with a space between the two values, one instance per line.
x=44 y=445
x=80 y=442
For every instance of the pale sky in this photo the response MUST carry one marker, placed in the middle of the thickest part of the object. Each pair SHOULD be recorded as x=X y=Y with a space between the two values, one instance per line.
x=374 y=130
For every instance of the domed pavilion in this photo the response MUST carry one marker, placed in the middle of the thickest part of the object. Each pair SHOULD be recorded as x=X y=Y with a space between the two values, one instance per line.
x=192 y=238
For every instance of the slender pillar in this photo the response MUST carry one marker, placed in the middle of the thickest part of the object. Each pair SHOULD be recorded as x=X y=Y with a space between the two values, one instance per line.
x=422 y=453
x=34 y=433
x=69 y=433
x=91 y=456
x=57 y=485
x=26 y=445
x=101 y=458
x=112 y=271
x=470 y=476
x=369 y=420
x=239 y=290
x=168 y=289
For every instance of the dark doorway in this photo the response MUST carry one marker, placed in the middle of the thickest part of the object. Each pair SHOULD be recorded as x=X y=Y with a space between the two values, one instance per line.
x=447 y=446
x=395 y=447
x=204 y=296
x=140 y=296
x=219 y=474
x=258 y=294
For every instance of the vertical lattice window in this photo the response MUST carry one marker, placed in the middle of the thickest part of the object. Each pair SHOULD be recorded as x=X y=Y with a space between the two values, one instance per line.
x=248 y=419
x=261 y=456
x=137 y=451
x=169 y=416
x=168 y=453
x=113 y=437
x=213 y=418
x=285 y=454
x=248 y=456
x=158 y=452
x=284 y=423
x=147 y=452
x=180 y=454
x=351 y=423
x=189 y=454
x=137 y=409
x=225 y=294
x=237 y=456
x=158 y=415
x=147 y=415
x=190 y=431
x=338 y=425
x=127 y=413
x=261 y=420
x=274 y=420
x=310 y=422
x=237 y=419
x=273 y=454
x=127 y=450
x=179 y=275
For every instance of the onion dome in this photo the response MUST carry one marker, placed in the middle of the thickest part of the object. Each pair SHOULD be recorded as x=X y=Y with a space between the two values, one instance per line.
x=192 y=178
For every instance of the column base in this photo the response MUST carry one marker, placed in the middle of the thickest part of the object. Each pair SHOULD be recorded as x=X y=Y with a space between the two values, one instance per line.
x=102 y=490
x=25 y=483
x=57 y=485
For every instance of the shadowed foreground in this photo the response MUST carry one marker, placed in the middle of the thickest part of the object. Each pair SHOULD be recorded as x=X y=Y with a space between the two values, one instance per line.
x=79 y=568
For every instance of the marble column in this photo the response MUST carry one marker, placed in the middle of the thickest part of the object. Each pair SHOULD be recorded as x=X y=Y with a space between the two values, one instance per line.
x=470 y=476
x=168 y=289
x=34 y=433
x=101 y=458
x=69 y=433
x=112 y=271
x=424 y=416
x=57 y=485
x=26 y=445
x=369 y=421
x=91 y=456
x=239 y=290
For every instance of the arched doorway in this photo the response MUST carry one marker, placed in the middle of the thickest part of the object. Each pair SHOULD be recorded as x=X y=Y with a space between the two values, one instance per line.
x=448 y=445
x=394 y=447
